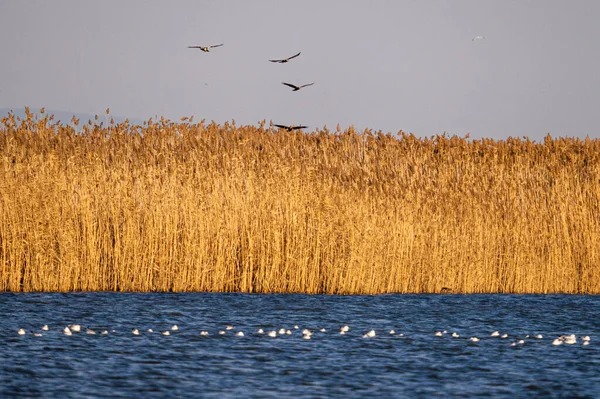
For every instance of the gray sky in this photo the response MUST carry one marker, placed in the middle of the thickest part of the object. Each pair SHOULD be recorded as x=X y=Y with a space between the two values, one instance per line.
x=389 y=65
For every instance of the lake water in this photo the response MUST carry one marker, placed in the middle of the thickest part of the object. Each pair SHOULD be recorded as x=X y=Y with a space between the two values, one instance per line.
x=411 y=363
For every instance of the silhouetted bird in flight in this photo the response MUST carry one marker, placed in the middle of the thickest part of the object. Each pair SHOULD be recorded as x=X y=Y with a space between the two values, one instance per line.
x=296 y=88
x=290 y=128
x=285 y=59
x=206 y=49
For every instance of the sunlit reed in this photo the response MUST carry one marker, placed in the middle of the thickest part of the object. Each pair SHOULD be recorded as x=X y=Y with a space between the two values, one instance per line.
x=189 y=206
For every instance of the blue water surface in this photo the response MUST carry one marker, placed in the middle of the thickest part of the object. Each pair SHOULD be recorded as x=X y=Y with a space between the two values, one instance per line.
x=412 y=363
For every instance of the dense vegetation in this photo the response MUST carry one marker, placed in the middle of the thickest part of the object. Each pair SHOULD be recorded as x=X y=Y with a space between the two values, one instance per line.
x=193 y=207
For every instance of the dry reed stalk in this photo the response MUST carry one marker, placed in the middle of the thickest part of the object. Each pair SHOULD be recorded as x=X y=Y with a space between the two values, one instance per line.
x=194 y=207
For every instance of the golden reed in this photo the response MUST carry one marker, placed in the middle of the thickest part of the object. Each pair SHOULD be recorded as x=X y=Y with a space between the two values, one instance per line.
x=192 y=207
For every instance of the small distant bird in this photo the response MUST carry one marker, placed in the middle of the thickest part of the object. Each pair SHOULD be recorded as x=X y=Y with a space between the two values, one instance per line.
x=478 y=38
x=296 y=88
x=206 y=49
x=283 y=61
x=370 y=334
x=290 y=128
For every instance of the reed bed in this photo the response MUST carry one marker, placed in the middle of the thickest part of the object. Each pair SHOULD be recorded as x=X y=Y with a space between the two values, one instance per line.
x=183 y=206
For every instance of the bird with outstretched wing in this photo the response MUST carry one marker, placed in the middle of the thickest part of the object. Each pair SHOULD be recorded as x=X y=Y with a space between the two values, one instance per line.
x=206 y=49
x=283 y=61
x=295 y=87
x=290 y=128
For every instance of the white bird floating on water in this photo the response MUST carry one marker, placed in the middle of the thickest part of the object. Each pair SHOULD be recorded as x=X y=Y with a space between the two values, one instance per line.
x=67 y=331
x=438 y=334
x=150 y=330
x=135 y=331
x=21 y=331
x=568 y=339
x=557 y=342
x=37 y=334
x=239 y=334
x=204 y=333
x=538 y=336
x=89 y=331
x=370 y=334
x=221 y=332
x=104 y=332
x=503 y=336
x=75 y=327
x=229 y=328
x=45 y=327
x=392 y=332
x=272 y=334
x=174 y=328
x=281 y=331
x=165 y=332
x=474 y=339
x=323 y=330
x=495 y=334
x=260 y=331
x=455 y=335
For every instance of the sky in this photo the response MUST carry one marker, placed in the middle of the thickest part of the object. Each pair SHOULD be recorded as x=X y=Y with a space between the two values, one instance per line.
x=407 y=65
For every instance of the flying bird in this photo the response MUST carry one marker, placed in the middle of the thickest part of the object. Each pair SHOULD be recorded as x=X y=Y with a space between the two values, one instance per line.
x=206 y=49
x=283 y=61
x=478 y=38
x=290 y=128
x=296 y=88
